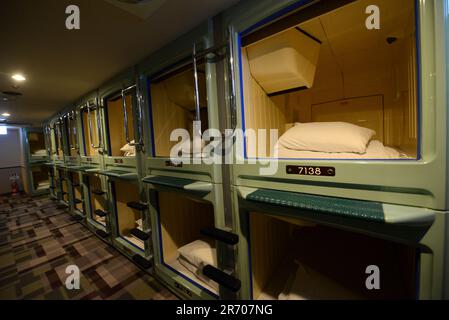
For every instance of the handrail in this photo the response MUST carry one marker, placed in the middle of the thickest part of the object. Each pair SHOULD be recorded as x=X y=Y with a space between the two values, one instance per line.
x=231 y=78
x=136 y=88
x=95 y=107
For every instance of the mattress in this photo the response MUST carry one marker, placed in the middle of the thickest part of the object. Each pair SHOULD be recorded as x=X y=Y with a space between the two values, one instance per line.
x=175 y=264
x=375 y=151
x=135 y=241
x=43 y=185
x=101 y=220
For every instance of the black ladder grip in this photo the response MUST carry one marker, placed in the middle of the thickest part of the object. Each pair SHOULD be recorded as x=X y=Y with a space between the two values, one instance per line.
x=76 y=185
x=102 y=233
x=221 y=235
x=229 y=282
x=100 y=213
x=98 y=192
x=77 y=201
x=78 y=218
x=139 y=234
x=141 y=261
x=137 y=205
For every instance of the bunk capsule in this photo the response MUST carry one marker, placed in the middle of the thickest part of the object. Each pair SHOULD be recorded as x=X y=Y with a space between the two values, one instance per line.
x=73 y=165
x=87 y=183
x=186 y=196
x=50 y=147
x=36 y=157
x=361 y=152
x=130 y=225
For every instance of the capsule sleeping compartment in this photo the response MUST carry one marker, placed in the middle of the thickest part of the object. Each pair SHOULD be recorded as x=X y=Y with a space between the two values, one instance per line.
x=70 y=123
x=174 y=106
x=91 y=131
x=77 y=192
x=64 y=189
x=97 y=200
x=119 y=115
x=334 y=89
x=40 y=178
x=184 y=249
x=291 y=259
x=59 y=140
x=36 y=144
x=130 y=214
x=346 y=102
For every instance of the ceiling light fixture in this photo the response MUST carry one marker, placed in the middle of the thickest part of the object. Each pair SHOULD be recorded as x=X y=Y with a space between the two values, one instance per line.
x=6 y=114
x=18 y=77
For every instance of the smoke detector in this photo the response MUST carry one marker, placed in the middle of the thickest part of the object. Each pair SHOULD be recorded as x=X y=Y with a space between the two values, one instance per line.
x=140 y=8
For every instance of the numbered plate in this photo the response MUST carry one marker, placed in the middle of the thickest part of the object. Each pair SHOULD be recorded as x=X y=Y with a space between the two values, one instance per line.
x=311 y=171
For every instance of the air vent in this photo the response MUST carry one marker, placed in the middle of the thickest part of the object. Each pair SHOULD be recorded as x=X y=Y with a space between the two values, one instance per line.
x=140 y=8
x=135 y=1
x=12 y=93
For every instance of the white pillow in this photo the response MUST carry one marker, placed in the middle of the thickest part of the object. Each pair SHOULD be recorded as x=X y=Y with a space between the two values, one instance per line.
x=199 y=253
x=327 y=137
x=128 y=148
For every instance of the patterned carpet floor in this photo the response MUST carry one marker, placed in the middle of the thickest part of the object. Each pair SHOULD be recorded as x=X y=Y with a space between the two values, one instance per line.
x=38 y=241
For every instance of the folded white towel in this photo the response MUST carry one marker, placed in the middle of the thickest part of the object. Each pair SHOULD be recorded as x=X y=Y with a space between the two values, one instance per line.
x=200 y=253
x=41 y=152
x=197 y=272
x=129 y=151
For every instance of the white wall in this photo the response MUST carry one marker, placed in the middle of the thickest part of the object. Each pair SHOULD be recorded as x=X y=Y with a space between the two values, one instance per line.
x=11 y=158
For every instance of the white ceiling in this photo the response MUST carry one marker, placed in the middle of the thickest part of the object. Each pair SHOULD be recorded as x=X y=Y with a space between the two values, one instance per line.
x=61 y=65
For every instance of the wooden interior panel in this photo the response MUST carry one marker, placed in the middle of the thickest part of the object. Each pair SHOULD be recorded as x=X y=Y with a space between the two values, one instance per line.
x=366 y=112
x=181 y=220
x=60 y=143
x=65 y=190
x=338 y=255
x=116 y=124
x=72 y=131
x=173 y=107
x=126 y=192
x=40 y=175
x=353 y=63
x=269 y=245
x=77 y=191
x=36 y=141
x=90 y=151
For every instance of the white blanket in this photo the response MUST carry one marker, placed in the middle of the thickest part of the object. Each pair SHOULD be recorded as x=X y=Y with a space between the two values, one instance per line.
x=199 y=253
x=375 y=151
x=196 y=255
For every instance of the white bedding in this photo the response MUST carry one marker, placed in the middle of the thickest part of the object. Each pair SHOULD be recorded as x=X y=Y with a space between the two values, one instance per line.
x=41 y=152
x=375 y=151
x=197 y=254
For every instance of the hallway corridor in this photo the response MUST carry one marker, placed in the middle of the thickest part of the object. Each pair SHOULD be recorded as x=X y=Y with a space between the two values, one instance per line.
x=38 y=241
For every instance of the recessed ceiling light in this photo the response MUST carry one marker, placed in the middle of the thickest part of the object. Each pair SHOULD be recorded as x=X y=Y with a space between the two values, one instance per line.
x=6 y=114
x=18 y=77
